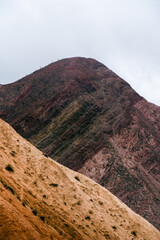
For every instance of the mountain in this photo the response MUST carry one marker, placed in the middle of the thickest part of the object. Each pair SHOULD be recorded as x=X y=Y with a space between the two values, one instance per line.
x=84 y=116
x=41 y=199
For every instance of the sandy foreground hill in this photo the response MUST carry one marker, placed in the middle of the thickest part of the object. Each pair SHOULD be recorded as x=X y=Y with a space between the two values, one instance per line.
x=41 y=199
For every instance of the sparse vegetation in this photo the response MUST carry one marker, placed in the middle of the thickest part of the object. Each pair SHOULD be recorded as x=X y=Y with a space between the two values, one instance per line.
x=42 y=218
x=44 y=196
x=100 y=203
x=114 y=227
x=66 y=225
x=53 y=184
x=79 y=203
x=134 y=233
x=9 y=188
x=9 y=168
x=13 y=153
x=34 y=211
x=46 y=155
x=31 y=193
x=77 y=178
x=107 y=236
x=88 y=217
x=18 y=197
x=90 y=211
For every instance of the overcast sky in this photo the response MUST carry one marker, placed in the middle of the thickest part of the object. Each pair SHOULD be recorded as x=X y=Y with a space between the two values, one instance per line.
x=122 y=34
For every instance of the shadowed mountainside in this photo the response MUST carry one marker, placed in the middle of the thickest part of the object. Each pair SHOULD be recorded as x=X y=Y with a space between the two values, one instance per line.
x=87 y=118
x=41 y=199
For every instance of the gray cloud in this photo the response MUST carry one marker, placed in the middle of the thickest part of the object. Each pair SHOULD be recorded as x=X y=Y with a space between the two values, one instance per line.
x=122 y=34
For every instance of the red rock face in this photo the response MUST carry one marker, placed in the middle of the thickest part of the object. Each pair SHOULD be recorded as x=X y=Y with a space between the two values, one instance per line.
x=84 y=116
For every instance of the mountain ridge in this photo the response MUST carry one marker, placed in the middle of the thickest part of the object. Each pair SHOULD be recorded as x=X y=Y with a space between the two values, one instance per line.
x=87 y=118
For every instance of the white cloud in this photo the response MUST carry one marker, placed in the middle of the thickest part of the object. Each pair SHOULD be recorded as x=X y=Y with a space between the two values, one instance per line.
x=123 y=34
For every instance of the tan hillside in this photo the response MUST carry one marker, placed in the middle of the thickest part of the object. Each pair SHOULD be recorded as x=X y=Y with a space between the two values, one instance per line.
x=41 y=199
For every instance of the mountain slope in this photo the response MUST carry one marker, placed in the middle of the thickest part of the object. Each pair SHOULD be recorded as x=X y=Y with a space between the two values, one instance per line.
x=87 y=118
x=41 y=199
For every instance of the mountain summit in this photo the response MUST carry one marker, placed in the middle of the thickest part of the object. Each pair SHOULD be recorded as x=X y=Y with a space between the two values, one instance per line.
x=87 y=118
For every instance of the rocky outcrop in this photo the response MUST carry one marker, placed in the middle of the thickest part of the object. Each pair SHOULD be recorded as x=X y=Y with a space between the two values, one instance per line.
x=87 y=118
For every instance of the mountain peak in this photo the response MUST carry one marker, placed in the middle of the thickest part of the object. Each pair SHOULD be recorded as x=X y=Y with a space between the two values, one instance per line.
x=87 y=118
